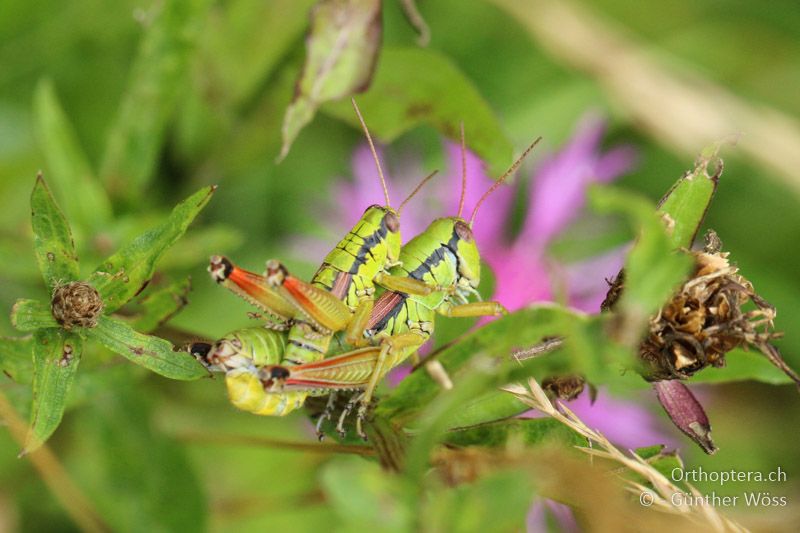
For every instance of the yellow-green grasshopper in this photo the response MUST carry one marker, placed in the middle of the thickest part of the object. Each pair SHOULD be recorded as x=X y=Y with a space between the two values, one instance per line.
x=444 y=257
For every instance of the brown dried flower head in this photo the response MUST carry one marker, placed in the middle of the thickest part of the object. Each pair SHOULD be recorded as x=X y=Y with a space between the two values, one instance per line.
x=709 y=315
x=76 y=304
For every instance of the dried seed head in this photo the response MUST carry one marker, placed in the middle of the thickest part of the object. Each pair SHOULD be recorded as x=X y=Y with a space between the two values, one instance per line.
x=706 y=318
x=76 y=304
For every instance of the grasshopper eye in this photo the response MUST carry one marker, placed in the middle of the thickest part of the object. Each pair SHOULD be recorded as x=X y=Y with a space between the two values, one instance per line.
x=200 y=351
x=463 y=231
x=279 y=373
x=392 y=222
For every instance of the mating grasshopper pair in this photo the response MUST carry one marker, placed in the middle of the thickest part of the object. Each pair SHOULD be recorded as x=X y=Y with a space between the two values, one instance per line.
x=271 y=371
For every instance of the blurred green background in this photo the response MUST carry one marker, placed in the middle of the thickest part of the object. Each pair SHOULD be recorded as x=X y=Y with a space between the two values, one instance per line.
x=136 y=444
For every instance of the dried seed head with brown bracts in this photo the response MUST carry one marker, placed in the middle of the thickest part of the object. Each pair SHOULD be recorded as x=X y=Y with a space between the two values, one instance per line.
x=707 y=317
x=76 y=304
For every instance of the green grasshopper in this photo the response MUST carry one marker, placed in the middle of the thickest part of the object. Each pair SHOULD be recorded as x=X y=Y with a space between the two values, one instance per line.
x=443 y=257
x=341 y=293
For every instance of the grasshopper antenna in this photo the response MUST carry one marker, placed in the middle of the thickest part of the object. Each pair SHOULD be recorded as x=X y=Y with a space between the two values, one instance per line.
x=425 y=180
x=502 y=178
x=372 y=149
x=463 y=173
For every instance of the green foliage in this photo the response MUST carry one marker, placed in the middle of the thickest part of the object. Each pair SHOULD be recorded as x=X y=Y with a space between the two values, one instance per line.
x=157 y=77
x=30 y=315
x=341 y=51
x=56 y=351
x=440 y=96
x=15 y=358
x=687 y=202
x=151 y=352
x=124 y=274
x=530 y=431
x=70 y=171
x=133 y=458
x=52 y=238
x=56 y=354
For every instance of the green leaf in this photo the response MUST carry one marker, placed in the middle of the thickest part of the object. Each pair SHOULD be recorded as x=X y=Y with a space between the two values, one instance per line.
x=83 y=197
x=52 y=239
x=29 y=315
x=160 y=305
x=131 y=456
x=153 y=353
x=415 y=86
x=652 y=268
x=365 y=498
x=341 y=49
x=743 y=365
x=16 y=358
x=56 y=354
x=156 y=82
x=686 y=203
x=531 y=431
x=124 y=274
x=497 y=339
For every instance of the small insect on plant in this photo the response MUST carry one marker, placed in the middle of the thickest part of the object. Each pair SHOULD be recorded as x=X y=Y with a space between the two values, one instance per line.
x=445 y=258
x=338 y=298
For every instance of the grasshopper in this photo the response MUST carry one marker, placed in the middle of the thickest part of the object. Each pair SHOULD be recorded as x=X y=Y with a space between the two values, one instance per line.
x=340 y=295
x=445 y=258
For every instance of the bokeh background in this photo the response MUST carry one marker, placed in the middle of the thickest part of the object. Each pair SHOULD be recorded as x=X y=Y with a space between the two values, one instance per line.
x=669 y=79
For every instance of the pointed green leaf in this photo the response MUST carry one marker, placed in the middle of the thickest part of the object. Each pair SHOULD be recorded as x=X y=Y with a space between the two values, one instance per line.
x=425 y=87
x=156 y=82
x=120 y=277
x=160 y=305
x=341 y=50
x=652 y=269
x=686 y=203
x=56 y=354
x=153 y=353
x=16 y=358
x=29 y=315
x=82 y=195
x=52 y=239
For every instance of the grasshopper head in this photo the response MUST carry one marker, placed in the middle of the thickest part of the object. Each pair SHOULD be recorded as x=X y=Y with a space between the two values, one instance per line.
x=388 y=220
x=456 y=235
x=243 y=348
